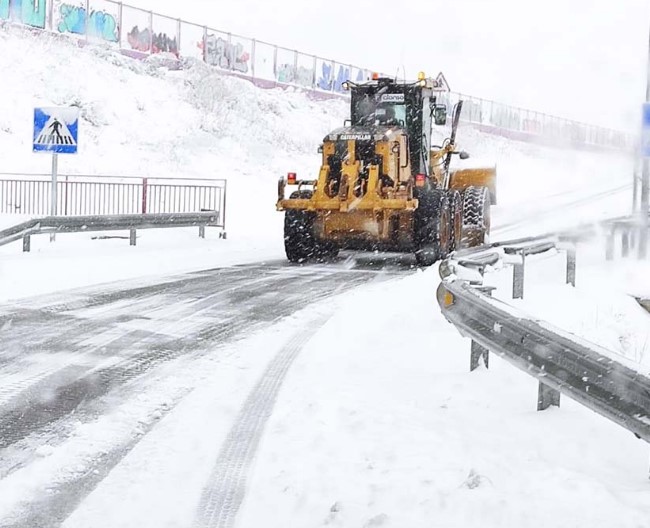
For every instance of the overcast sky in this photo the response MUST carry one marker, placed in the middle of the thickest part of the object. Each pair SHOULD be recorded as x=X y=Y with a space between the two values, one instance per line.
x=584 y=59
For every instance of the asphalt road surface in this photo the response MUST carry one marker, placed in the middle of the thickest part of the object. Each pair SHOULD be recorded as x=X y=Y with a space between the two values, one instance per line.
x=74 y=356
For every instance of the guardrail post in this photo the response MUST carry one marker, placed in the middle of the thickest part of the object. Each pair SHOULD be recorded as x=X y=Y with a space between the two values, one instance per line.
x=87 y=20
x=150 y=32
x=253 y=58
x=477 y=351
x=202 y=231
x=144 y=195
x=132 y=233
x=547 y=397
x=609 y=245
x=571 y=266
x=27 y=243
x=626 y=243
x=275 y=63
x=205 y=44
x=120 y=9
x=518 y=279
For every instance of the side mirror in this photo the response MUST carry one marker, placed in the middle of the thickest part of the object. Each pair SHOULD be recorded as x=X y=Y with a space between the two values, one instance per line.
x=440 y=115
x=320 y=149
x=463 y=155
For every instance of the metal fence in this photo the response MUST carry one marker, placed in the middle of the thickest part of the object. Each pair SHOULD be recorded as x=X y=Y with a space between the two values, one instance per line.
x=29 y=194
x=140 y=33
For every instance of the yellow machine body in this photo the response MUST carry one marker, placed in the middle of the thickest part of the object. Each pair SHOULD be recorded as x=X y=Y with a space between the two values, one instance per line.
x=361 y=202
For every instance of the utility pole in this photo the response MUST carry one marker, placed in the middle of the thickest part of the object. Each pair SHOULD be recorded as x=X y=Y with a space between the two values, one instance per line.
x=644 y=210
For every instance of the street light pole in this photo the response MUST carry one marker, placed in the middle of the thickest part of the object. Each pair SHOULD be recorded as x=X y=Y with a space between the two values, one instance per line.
x=644 y=208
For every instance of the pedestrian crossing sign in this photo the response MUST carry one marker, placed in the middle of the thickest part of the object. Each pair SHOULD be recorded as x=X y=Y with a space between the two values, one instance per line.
x=56 y=130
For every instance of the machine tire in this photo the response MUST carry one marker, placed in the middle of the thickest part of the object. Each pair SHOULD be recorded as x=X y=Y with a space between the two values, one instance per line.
x=300 y=243
x=476 y=216
x=432 y=227
x=456 y=204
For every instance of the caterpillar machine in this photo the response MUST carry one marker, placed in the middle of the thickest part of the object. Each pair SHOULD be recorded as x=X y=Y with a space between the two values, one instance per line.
x=383 y=186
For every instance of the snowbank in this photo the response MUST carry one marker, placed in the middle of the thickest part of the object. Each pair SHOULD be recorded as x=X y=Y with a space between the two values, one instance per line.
x=601 y=309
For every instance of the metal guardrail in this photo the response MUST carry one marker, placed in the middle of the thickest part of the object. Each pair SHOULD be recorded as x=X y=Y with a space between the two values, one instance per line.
x=29 y=194
x=84 y=224
x=562 y=364
x=595 y=380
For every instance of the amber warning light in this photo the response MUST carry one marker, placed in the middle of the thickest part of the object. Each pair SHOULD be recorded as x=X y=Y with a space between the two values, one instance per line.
x=291 y=178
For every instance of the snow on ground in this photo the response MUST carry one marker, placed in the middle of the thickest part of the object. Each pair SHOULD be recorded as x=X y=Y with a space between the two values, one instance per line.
x=213 y=386
x=379 y=422
x=75 y=260
x=383 y=425
x=601 y=309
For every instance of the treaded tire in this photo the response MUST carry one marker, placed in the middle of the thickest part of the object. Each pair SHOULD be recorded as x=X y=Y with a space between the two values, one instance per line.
x=432 y=226
x=476 y=216
x=300 y=244
x=456 y=205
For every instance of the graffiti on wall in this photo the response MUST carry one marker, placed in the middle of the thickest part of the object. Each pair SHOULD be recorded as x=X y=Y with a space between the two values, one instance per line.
x=302 y=76
x=334 y=83
x=219 y=52
x=101 y=24
x=30 y=12
x=142 y=40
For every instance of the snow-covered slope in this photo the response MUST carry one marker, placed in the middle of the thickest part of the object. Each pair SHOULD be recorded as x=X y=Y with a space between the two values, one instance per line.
x=138 y=119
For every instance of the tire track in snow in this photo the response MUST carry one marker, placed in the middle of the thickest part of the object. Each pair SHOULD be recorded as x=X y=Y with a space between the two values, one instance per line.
x=224 y=493
x=71 y=384
x=300 y=287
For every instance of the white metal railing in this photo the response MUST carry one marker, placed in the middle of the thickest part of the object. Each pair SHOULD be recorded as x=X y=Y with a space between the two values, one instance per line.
x=137 y=32
x=29 y=194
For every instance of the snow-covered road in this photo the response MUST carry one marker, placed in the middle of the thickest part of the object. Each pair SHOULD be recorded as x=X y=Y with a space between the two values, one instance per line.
x=70 y=361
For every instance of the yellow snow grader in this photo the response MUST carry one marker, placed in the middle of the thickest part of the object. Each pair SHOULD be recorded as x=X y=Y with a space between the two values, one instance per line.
x=383 y=186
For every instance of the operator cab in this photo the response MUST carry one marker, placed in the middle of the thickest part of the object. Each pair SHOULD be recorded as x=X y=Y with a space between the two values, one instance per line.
x=389 y=131
x=370 y=112
x=382 y=102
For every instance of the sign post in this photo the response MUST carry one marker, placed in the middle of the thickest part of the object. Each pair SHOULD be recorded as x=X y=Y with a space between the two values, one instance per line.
x=56 y=131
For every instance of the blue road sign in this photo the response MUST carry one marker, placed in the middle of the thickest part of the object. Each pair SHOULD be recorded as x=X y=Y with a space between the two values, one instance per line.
x=56 y=130
x=645 y=132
